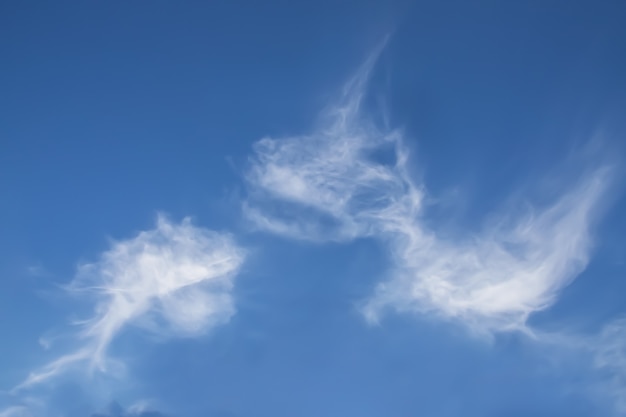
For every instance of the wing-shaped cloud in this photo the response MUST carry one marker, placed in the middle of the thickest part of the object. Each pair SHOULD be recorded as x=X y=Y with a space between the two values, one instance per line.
x=175 y=279
x=340 y=183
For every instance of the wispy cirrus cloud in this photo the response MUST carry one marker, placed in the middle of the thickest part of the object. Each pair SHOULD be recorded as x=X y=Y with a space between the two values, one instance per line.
x=173 y=280
x=15 y=411
x=609 y=358
x=335 y=184
x=601 y=354
x=137 y=410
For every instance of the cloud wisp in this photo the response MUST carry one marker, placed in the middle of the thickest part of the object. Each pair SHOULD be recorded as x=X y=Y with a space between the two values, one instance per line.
x=15 y=411
x=349 y=179
x=173 y=280
x=137 y=410
x=609 y=354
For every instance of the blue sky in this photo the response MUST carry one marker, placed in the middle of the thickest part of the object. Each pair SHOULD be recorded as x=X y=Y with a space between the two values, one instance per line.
x=250 y=209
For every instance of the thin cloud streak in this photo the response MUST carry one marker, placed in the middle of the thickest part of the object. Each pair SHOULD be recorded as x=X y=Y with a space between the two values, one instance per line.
x=335 y=184
x=15 y=411
x=609 y=354
x=173 y=280
x=602 y=352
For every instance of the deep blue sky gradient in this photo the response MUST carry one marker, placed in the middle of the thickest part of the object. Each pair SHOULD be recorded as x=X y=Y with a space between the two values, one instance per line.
x=113 y=111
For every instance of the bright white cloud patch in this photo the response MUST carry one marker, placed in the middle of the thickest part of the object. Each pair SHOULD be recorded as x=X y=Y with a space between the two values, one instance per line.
x=340 y=183
x=175 y=279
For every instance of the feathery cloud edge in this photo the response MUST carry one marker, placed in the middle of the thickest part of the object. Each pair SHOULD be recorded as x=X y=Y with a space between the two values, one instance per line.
x=333 y=185
x=173 y=280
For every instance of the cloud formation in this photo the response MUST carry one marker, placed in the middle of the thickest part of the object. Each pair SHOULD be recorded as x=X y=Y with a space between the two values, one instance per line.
x=349 y=179
x=173 y=280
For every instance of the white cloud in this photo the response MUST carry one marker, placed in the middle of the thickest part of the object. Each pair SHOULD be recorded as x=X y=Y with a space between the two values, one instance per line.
x=334 y=184
x=175 y=280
